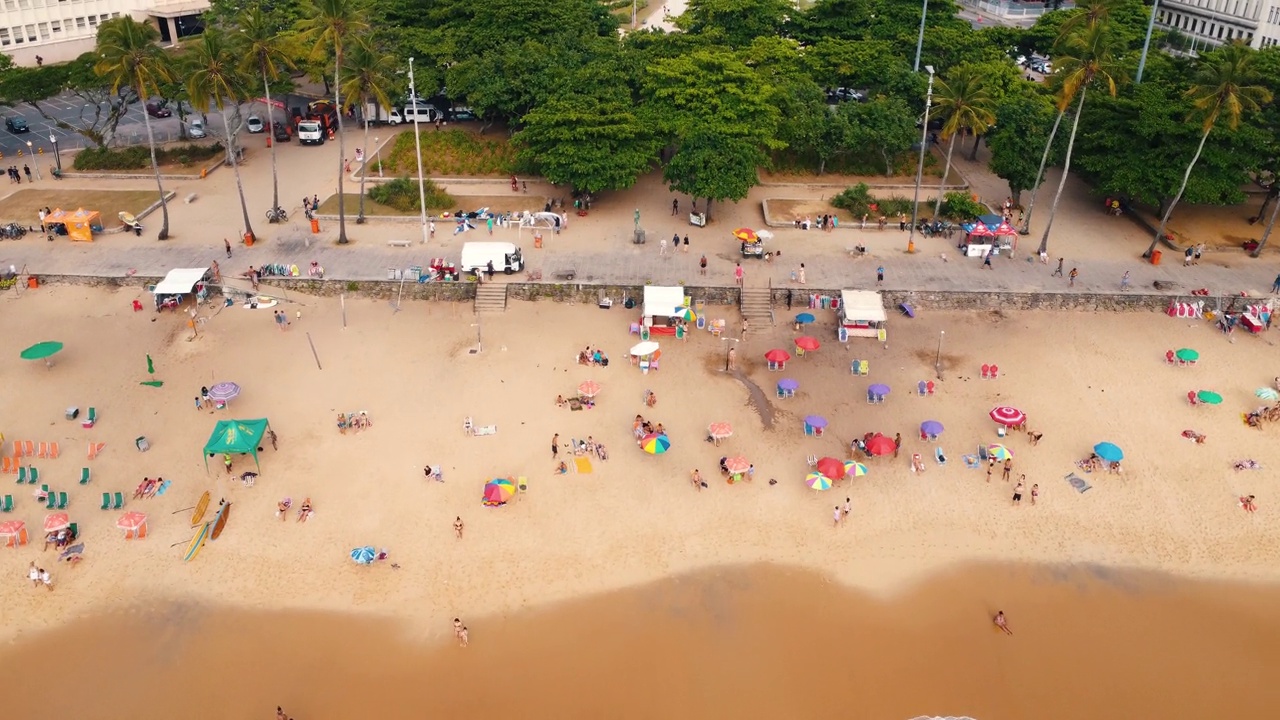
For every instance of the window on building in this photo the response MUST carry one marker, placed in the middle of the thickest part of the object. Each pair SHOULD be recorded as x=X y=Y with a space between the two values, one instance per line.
x=104 y=17
x=93 y=21
x=31 y=33
x=55 y=26
x=115 y=14
x=10 y=4
x=79 y=23
x=44 y=31
x=24 y=4
x=17 y=36
x=4 y=36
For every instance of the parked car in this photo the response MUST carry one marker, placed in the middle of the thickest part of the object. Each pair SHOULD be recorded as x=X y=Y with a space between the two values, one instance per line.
x=254 y=124
x=195 y=129
x=845 y=95
x=281 y=131
x=157 y=110
x=16 y=124
x=461 y=113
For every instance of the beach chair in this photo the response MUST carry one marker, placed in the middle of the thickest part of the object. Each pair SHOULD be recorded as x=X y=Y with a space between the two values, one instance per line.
x=921 y=388
x=986 y=372
x=62 y=500
x=22 y=448
x=1191 y=398
x=1169 y=358
x=871 y=398
x=51 y=501
x=982 y=453
x=812 y=460
x=33 y=475
x=929 y=386
x=10 y=465
x=853 y=367
x=54 y=451
x=90 y=419
x=939 y=456
x=864 y=367
x=522 y=484
x=782 y=394
x=95 y=449
x=106 y=501
x=74 y=529
x=6 y=504
x=635 y=328
x=84 y=476
x=117 y=501
x=42 y=450
x=995 y=372
x=23 y=474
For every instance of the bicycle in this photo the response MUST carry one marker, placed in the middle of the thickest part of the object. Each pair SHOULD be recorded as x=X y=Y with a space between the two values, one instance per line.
x=277 y=215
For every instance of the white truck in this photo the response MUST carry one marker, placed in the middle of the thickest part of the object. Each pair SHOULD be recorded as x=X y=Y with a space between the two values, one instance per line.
x=310 y=132
x=505 y=256
x=375 y=114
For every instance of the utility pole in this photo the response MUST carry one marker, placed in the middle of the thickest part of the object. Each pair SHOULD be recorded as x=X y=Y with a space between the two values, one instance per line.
x=924 y=143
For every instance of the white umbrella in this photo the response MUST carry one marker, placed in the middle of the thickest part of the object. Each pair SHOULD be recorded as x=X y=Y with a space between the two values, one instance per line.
x=764 y=234
x=648 y=347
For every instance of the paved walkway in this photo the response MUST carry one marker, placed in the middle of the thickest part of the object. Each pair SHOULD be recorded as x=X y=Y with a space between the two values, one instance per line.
x=599 y=249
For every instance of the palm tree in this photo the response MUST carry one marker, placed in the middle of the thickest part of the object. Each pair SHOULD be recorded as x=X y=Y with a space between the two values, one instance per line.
x=130 y=57
x=265 y=53
x=963 y=102
x=330 y=24
x=213 y=78
x=1086 y=57
x=368 y=75
x=1218 y=90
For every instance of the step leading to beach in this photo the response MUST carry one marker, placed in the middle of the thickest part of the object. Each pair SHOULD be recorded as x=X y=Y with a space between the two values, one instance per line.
x=491 y=298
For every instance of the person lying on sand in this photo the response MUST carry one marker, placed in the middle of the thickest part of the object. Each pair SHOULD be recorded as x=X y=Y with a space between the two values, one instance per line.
x=143 y=488
x=342 y=423
x=1247 y=503
x=305 y=511
x=282 y=507
x=1001 y=622
x=1034 y=437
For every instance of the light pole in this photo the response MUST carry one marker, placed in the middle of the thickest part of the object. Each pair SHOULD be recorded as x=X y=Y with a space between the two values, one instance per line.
x=1146 y=44
x=377 y=156
x=417 y=146
x=924 y=12
x=937 y=363
x=57 y=157
x=32 y=153
x=924 y=142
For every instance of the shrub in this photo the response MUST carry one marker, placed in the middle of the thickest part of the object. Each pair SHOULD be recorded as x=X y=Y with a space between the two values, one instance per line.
x=402 y=194
x=960 y=205
x=138 y=157
x=858 y=201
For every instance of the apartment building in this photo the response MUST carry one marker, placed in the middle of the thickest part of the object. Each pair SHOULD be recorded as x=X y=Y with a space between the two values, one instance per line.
x=1214 y=22
x=60 y=30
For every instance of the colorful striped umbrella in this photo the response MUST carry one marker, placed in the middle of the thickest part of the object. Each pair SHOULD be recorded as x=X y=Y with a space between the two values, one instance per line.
x=736 y=465
x=1008 y=416
x=745 y=234
x=655 y=444
x=856 y=469
x=589 y=388
x=817 y=481
x=498 y=491
x=999 y=452
x=1267 y=393
x=684 y=313
x=804 y=342
x=224 y=391
x=719 y=430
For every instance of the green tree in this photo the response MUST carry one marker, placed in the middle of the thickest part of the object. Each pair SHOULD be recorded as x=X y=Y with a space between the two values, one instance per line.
x=714 y=165
x=1000 y=78
x=369 y=77
x=1022 y=129
x=735 y=22
x=264 y=52
x=871 y=65
x=963 y=104
x=129 y=57
x=328 y=27
x=213 y=78
x=883 y=127
x=1086 y=57
x=1221 y=88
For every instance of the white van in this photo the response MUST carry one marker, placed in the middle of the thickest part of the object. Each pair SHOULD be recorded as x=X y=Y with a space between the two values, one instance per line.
x=422 y=112
x=505 y=256
x=310 y=132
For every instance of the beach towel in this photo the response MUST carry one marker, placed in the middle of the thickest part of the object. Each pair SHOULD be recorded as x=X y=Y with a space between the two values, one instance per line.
x=971 y=462
x=582 y=465
x=163 y=487
x=1249 y=464
x=1077 y=482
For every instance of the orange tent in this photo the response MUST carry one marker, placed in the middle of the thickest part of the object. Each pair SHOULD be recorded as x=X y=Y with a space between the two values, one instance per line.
x=134 y=524
x=80 y=224
x=14 y=533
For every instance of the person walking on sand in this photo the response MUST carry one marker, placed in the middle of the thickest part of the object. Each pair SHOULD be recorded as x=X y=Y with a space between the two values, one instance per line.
x=1017 y=493
x=986 y=261
x=848 y=509
x=555 y=446
x=458 y=628
x=1058 y=272
x=695 y=478
x=880 y=276
x=46 y=579
x=33 y=574
x=1275 y=286
x=457 y=527
x=836 y=517
x=1001 y=622
x=800 y=274
x=463 y=637
x=897 y=444
x=702 y=267
x=675 y=206
x=1071 y=277
x=662 y=247
x=1035 y=491
x=1008 y=468
x=271 y=435
x=1124 y=281
x=226 y=460
x=686 y=243
x=227 y=243
x=732 y=363
x=737 y=274
x=280 y=714
x=989 y=467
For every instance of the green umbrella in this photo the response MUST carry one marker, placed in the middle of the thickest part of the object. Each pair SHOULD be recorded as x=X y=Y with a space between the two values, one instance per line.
x=1208 y=397
x=41 y=351
x=1187 y=355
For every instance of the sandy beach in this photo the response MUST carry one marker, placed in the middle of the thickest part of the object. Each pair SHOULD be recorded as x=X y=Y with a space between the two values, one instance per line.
x=635 y=519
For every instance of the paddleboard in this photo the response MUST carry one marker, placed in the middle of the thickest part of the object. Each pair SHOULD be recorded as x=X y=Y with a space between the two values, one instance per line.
x=220 y=521
x=201 y=507
x=197 y=542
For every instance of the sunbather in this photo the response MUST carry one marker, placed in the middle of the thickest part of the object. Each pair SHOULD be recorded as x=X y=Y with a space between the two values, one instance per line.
x=562 y=468
x=155 y=487
x=601 y=452
x=342 y=423
x=1246 y=502
x=1248 y=464
x=282 y=508
x=143 y=488
x=560 y=401
x=305 y=511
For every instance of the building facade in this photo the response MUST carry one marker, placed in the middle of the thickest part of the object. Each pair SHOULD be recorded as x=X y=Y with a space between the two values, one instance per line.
x=35 y=31
x=1214 y=22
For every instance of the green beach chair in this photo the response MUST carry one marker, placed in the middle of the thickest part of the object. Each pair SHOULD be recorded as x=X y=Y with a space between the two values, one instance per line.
x=51 y=502
x=106 y=501
x=23 y=472
x=75 y=530
x=84 y=476
x=62 y=501
x=117 y=501
x=33 y=475
x=6 y=505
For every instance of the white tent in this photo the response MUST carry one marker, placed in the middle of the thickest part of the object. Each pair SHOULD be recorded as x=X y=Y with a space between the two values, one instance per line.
x=180 y=281
x=661 y=303
x=546 y=220
x=862 y=312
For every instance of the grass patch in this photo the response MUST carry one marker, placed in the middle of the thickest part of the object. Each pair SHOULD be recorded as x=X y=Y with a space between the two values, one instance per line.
x=21 y=207
x=138 y=157
x=451 y=152
x=403 y=194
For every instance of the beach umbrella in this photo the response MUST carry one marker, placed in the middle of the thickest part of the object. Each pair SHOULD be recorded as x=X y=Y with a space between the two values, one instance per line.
x=364 y=555
x=777 y=355
x=856 y=469
x=878 y=389
x=224 y=391
x=719 y=430
x=648 y=347
x=54 y=522
x=764 y=234
x=817 y=481
x=789 y=384
x=498 y=491
x=42 y=351
x=685 y=314
x=746 y=234
x=134 y=524
x=931 y=427
x=1267 y=393
x=881 y=445
x=736 y=465
x=1208 y=397
x=589 y=388
x=655 y=444
x=999 y=452
x=1008 y=416
x=13 y=532
x=831 y=467
x=815 y=421
x=804 y=318
x=804 y=342
x=76 y=549
x=151 y=366
x=1109 y=451
x=1187 y=355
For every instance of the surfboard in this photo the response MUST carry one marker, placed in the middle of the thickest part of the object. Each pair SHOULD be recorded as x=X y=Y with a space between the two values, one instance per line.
x=201 y=507
x=197 y=542
x=220 y=521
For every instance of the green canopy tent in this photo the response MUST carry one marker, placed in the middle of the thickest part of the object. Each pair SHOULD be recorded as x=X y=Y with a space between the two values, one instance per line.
x=236 y=436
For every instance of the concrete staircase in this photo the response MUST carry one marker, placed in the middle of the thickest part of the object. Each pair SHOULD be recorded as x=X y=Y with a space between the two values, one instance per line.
x=756 y=304
x=491 y=298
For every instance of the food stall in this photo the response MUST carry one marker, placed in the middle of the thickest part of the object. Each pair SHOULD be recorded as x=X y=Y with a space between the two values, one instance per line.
x=662 y=306
x=861 y=315
x=178 y=282
x=78 y=226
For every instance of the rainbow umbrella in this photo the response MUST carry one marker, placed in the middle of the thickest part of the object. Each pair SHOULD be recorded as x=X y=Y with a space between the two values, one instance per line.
x=498 y=491
x=817 y=481
x=745 y=234
x=685 y=314
x=856 y=469
x=655 y=444
x=1267 y=393
x=999 y=452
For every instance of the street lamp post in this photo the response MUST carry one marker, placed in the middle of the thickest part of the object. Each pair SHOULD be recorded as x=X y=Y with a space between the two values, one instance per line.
x=1146 y=44
x=924 y=12
x=57 y=157
x=937 y=363
x=31 y=152
x=417 y=146
x=924 y=140
x=377 y=156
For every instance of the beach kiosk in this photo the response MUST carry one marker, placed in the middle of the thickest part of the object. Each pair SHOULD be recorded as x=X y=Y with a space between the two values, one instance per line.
x=78 y=226
x=178 y=282
x=861 y=315
x=662 y=306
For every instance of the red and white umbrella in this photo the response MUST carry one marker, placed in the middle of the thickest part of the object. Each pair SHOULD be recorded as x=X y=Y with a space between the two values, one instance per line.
x=1008 y=416
x=719 y=430
x=736 y=465
x=589 y=388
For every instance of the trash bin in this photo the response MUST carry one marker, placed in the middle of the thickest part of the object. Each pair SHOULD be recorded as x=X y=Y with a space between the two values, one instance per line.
x=1155 y=257
x=315 y=226
x=248 y=239
x=33 y=282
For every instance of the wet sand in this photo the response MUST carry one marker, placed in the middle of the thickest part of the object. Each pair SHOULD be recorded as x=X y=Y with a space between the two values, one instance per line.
x=755 y=642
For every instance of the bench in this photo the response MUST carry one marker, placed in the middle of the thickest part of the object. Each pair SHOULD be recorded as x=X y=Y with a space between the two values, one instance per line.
x=190 y=198
x=400 y=243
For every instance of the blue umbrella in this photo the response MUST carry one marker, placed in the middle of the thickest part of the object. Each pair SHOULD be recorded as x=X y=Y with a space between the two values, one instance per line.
x=788 y=384
x=878 y=389
x=931 y=427
x=364 y=555
x=1109 y=452
x=815 y=421
x=804 y=318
